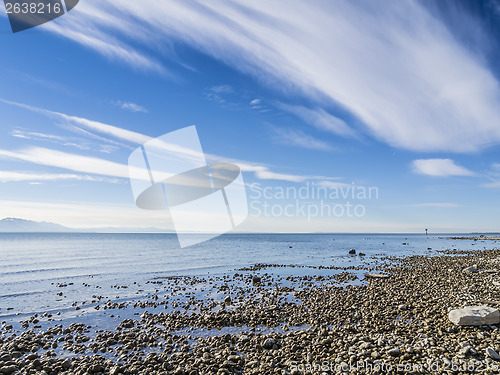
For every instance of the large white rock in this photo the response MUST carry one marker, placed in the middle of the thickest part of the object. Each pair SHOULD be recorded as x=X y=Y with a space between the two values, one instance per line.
x=475 y=316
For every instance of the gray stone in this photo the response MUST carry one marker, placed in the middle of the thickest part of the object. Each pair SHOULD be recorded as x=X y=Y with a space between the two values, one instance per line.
x=66 y=364
x=492 y=353
x=470 y=269
x=244 y=338
x=394 y=352
x=269 y=343
x=474 y=316
x=8 y=369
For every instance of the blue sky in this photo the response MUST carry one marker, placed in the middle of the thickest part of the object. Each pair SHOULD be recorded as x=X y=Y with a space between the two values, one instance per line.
x=401 y=96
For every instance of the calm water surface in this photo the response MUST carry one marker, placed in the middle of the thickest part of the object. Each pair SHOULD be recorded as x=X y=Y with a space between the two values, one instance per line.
x=32 y=265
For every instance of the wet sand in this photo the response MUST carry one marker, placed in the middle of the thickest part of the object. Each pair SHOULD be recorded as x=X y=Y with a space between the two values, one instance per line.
x=274 y=319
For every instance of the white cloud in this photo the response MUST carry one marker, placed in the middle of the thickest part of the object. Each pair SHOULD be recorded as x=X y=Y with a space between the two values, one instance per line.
x=106 y=129
x=132 y=107
x=437 y=205
x=334 y=185
x=492 y=185
x=255 y=102
x=393 y=65
x=64 y=160
x=79 y=163
x=81 y=30
x=320 y=119
x=65 y=141
x=222 y=89
x=494 y=176
x=107 y=149
x=18 y=133
x=217 y=93
x=266 y=174
x=439 y=168
x=301 y=139
x=109 y=130
x=9 y=176
x=112 y=144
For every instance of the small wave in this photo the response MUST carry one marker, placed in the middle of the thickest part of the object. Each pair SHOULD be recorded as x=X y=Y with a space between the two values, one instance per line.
x=20 y=272
x=22 y=294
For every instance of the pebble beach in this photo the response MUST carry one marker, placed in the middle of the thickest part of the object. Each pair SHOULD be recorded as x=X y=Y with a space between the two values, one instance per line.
x=388 y=315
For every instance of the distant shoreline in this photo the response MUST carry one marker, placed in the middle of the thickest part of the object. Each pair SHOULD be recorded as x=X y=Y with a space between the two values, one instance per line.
x=167 y=231
x=477 y=238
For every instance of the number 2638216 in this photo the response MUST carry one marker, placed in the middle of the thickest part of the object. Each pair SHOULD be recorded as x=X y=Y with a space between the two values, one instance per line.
x=33 y=8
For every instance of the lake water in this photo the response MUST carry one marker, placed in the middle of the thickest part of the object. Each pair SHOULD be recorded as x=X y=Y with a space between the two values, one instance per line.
x=119 y=266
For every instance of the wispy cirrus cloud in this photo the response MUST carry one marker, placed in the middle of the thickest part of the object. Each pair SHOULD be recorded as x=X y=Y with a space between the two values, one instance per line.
x=18 y=133
x=99 y=166
x=220 y=94
x=494 y=175
x=300 y=139
x=68 y=161
x=103 y=167
x=321 y=120
x=65 y=141
x=437 y=205
x=335 y=185
x=492 y=185
x=264 y=173
x=392 y=65
x=84 y=33
x=222 y=89
x=10 y=176
x=130 y=106
x=440 y=168
x=496 y=167
x=106 y=129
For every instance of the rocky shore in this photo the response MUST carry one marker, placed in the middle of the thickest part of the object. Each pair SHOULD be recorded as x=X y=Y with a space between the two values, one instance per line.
x=255 y=322
x=477 y=238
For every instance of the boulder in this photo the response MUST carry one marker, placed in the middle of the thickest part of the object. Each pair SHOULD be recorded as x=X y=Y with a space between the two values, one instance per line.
x=475 y=316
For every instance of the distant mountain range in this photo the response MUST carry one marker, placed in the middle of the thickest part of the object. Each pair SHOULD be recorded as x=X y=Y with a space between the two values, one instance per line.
x=16 y=225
